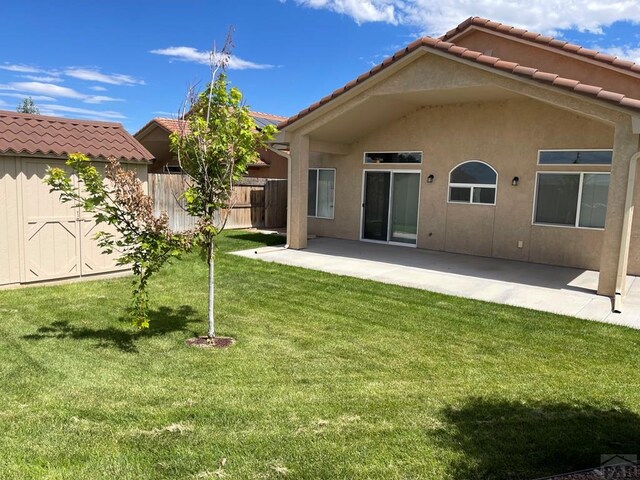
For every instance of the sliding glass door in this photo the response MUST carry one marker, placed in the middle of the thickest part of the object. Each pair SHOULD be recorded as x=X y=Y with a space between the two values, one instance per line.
x=390 y=206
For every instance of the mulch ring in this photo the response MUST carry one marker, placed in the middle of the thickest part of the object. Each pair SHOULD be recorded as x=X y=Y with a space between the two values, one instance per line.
x=206 y=342
x=626 y=472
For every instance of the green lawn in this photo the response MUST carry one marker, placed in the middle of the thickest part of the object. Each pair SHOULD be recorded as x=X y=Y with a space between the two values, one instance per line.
x=331 y=378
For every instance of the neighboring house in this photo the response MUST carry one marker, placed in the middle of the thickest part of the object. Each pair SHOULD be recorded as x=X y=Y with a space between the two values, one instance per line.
x=155 y=137
x=40 y=237
x=489 y=141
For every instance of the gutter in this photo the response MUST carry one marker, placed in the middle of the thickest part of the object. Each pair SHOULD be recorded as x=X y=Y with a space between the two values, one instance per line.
x=626 y=234
x=281 y=153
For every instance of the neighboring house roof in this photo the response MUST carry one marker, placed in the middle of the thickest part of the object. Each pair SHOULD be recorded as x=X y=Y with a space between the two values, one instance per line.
x=264 y=119
x=178 y=125
x=22 y=133
x=496 y=63
x=523 y=34
x=171 y=125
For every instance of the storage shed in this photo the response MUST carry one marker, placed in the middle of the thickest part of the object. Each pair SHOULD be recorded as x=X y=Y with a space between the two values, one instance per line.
x=41 y=238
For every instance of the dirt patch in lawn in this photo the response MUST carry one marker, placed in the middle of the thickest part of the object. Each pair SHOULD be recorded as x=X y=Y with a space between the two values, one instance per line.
x=215 y=342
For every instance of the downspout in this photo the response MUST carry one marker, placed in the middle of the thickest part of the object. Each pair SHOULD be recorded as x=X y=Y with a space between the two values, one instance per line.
x=626 y=234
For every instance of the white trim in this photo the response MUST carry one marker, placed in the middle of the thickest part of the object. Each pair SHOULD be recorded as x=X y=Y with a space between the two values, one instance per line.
x=574 y=150
x=333 y=201
x=364 y=157
x=577 y=221
x=362 y=205
x=472 y=186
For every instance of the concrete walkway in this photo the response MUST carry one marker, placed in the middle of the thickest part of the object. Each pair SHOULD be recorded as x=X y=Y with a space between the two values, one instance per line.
x=562 y=290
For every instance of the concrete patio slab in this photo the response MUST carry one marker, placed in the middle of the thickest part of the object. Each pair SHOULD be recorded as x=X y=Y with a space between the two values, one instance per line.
x=567 y=291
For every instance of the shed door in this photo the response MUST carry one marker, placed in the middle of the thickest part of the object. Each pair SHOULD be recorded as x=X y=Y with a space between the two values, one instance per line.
x=93 y=260
x=51 y=229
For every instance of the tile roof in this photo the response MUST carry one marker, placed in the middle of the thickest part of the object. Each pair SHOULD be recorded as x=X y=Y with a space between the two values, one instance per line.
x=267 y=116
x=542 y=39
x=171 y=124
x=22 y=133
x=176 y=125
x=496 y=63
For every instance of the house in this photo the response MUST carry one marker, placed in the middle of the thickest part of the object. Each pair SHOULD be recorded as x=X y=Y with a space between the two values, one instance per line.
x=155 y=137
x=41 y=238
x=490 y=141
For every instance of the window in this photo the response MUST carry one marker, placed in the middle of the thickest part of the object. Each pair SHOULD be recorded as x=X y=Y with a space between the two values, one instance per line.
x=575 y=157
x=572 y=199
x=321 y=192
x=393 y=157
x=473 y=182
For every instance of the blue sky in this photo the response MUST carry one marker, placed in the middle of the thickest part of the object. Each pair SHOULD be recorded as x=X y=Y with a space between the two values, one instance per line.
x=129 y=61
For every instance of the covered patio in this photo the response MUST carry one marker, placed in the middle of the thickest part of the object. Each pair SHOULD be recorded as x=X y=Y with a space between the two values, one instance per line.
x=562 y=290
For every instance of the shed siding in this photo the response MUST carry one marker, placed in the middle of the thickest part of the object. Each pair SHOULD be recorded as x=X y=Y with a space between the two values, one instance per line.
x=40 y=237
x=9 y=238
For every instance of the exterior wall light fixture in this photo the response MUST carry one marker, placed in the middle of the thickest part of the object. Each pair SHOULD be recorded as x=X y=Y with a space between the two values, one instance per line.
x=515 y=181
x=430 y=178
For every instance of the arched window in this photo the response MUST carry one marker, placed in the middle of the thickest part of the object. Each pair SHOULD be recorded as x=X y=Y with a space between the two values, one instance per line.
x=473 y=182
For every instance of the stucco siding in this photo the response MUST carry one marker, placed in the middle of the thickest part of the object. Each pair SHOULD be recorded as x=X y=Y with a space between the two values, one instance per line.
x=507 y=134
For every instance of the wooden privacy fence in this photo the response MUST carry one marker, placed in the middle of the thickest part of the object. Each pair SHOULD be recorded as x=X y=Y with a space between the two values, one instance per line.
x=256 y=202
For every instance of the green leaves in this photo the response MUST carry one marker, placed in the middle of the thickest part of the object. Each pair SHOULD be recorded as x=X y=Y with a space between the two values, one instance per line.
x=142 y=241
x=215 y=150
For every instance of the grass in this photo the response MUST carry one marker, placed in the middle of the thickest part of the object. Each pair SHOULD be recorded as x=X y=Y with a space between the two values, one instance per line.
x=331 y=377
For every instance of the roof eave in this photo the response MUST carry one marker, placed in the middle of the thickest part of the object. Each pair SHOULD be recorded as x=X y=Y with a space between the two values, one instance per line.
x=412 y=51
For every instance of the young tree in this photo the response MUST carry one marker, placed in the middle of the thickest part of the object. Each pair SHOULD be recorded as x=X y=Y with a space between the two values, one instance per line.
x=218 y=140
x=28 y=106
x=143 y=240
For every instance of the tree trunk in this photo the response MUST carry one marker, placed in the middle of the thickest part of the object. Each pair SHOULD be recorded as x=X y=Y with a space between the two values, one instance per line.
x=212 y=332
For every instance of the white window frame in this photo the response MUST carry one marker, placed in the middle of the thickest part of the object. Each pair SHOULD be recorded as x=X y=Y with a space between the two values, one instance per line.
x=333 y=200
x=581 y=165
x=577 y=222
x=364 y=157
x=472 y=186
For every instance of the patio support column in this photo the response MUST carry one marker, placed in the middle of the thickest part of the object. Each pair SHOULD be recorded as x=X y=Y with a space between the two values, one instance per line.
x=617 y=233
x=297 y=192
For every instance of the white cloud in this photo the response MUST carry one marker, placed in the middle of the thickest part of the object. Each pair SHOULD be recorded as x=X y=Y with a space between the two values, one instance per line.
x=98 y=88
x=41 y=98
x=435 y=17
x=81 y=112
x=56 y=91
x=20 y=68
x=362 y=11
x=43 y=78
x=190 y=54
x=627 y=52
x=94 y=75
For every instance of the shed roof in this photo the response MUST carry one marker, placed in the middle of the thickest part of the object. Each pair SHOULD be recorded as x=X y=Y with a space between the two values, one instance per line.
x=513 y=68
x=30 y=134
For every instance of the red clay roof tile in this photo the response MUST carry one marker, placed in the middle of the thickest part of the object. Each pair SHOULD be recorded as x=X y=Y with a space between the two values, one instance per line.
x=566 y=82
x=29 y=134
x=538 y=38
x=450 y=48
x=544 y=76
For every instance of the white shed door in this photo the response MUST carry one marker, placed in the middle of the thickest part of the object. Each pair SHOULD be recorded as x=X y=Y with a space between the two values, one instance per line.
x=51 y=229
